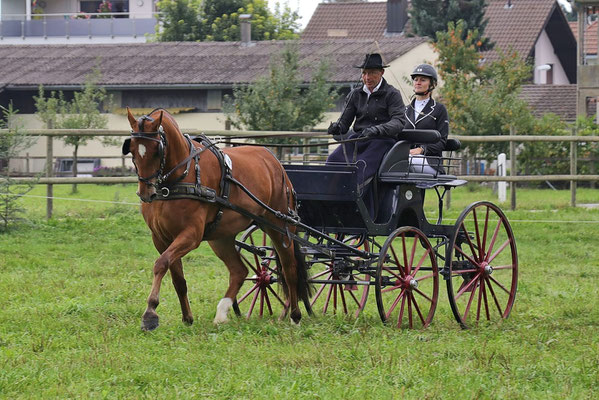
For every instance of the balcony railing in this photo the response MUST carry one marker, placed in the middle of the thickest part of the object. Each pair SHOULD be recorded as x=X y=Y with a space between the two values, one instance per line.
x=70 y=25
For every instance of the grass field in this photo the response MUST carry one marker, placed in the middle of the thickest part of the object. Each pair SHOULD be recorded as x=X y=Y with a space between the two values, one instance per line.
x=72 y=291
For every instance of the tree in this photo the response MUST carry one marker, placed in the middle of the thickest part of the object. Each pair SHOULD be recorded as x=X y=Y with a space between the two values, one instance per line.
x=179 y=21
x=83 y=112
x=281 y=101
x=429 y=17
x=481 y=99
x=281 y=25
x=218 y=20
x=11 y=143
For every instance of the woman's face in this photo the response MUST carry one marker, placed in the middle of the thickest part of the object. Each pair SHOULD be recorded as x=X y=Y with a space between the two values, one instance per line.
x=421 y=84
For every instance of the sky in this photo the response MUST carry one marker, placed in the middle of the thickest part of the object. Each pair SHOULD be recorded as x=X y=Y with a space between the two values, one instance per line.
x=305 y=7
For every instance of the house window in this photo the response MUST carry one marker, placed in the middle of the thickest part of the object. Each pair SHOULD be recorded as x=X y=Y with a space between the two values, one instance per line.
x=116 y=6
x=549 y=75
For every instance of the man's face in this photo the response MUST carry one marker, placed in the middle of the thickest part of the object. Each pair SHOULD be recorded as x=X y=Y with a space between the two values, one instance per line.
x=372 y=77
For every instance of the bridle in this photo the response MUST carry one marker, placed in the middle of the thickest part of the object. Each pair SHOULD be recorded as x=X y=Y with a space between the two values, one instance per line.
x=162 y=144
x=160 y=176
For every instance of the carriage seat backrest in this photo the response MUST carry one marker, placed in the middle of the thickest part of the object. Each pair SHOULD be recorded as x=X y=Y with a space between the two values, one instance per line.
x=397 y=158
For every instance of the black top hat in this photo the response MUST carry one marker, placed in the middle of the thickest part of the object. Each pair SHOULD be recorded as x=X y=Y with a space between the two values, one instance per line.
x=372 y=61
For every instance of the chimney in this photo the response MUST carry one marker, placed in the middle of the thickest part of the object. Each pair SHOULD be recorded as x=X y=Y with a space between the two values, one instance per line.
x=246 y=29
x=397 y=16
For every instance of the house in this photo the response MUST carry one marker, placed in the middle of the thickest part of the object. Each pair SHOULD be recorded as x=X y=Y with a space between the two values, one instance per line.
x=536 y=29
x=188 y=78
x=76 y=21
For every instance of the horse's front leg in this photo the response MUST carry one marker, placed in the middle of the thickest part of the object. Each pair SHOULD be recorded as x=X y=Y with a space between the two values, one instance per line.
x=170 y=258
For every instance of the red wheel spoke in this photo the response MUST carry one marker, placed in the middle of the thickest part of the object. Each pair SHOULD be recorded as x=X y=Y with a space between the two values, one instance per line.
x=417 y=309
x=400 y=316
x=480 y=250
x=494 y=238
x=467 y=309
x=393 y=273
x=248 y=293
x=388 y=289
x=328 y=299
x=472 y=260
x=249 y=264
x=470 y=244
x=511 y=266
x=422 y=278
x=318 y=275
x=420 y=262
x=343 y=302
x=353 y=296
x=493 y=295
x=253 y=304
x=395 y=302
x=480 y=296
x=413 y=254
x=483 y=287
x=467 y=286
x=500 y=285
x=423 y=295
x=399 y=267
x=462 y=271
x=499 y=250
x=275 y=295
x=485 y=234
x=410 y=317
x=317 y=295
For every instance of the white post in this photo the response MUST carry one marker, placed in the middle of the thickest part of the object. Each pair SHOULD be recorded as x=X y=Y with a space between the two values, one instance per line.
x=501 y=171
x=28 y=10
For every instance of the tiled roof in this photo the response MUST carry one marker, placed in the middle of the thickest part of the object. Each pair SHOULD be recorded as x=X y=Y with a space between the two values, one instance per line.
x=518 y=27
x=361 y=20
x=183 y=63
x=590 y=36
x=557 y=99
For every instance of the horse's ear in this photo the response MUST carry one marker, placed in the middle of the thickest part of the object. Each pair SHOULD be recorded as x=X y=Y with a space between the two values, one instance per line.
x=159 y=121
x=126 y=145
x=132 y=120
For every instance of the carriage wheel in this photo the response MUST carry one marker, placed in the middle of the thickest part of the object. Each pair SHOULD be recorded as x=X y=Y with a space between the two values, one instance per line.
x=407 y=279
x=259 y=295
x=340 y=298
x=482 y=265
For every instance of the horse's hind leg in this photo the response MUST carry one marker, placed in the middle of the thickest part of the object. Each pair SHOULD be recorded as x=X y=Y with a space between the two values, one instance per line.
x=284 y=248
x=181 y=288
x=225 y=250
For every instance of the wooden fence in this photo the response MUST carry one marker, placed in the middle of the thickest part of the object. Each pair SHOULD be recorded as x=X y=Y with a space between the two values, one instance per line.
x=513 y=139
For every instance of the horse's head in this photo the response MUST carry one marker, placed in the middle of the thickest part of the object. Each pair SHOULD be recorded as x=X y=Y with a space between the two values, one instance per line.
x=147 y=145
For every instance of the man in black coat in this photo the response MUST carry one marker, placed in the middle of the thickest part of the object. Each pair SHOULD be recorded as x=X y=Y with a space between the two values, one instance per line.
x=377 y=112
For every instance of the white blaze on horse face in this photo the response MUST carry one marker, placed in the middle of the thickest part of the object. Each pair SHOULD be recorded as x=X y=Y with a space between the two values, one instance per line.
x=222 y=309
x=141 y=149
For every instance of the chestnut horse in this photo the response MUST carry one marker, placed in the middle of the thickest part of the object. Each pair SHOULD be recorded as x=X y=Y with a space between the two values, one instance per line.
x=179 y=183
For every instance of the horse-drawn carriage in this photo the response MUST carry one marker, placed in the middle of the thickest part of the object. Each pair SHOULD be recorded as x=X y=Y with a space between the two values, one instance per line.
x=325 y=231
x=379 y=236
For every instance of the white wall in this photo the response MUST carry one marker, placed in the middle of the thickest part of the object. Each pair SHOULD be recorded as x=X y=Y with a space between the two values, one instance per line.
x=545 y=54
x=399 y=71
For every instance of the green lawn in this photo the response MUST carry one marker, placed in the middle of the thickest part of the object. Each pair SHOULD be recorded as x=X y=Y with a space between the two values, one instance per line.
x=72 y=291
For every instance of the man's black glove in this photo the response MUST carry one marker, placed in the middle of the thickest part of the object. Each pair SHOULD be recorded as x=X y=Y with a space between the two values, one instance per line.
x=334 y=129
x=371 y=131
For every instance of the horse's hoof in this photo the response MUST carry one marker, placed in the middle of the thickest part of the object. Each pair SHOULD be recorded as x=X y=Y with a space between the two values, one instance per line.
x=220 y=320
x=149 y=322
x=296 y=316
x=188 y=321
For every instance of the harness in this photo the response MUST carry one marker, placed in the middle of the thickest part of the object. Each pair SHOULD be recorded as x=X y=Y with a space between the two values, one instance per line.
x=195 y=190
x=175 y=190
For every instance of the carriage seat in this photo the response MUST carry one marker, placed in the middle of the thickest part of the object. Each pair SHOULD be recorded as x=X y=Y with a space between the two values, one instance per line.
x=395 y=166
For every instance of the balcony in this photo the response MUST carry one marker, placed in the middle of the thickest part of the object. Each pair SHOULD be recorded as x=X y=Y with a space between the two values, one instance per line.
x=76 y=28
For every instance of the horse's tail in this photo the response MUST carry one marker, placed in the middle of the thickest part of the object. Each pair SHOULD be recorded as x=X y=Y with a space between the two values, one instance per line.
x=305 y=289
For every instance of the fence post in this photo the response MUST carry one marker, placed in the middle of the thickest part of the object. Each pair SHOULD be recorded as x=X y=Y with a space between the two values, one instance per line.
x=501 y=171
x=513 y=166
x=573 y=162
x=49 y=173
